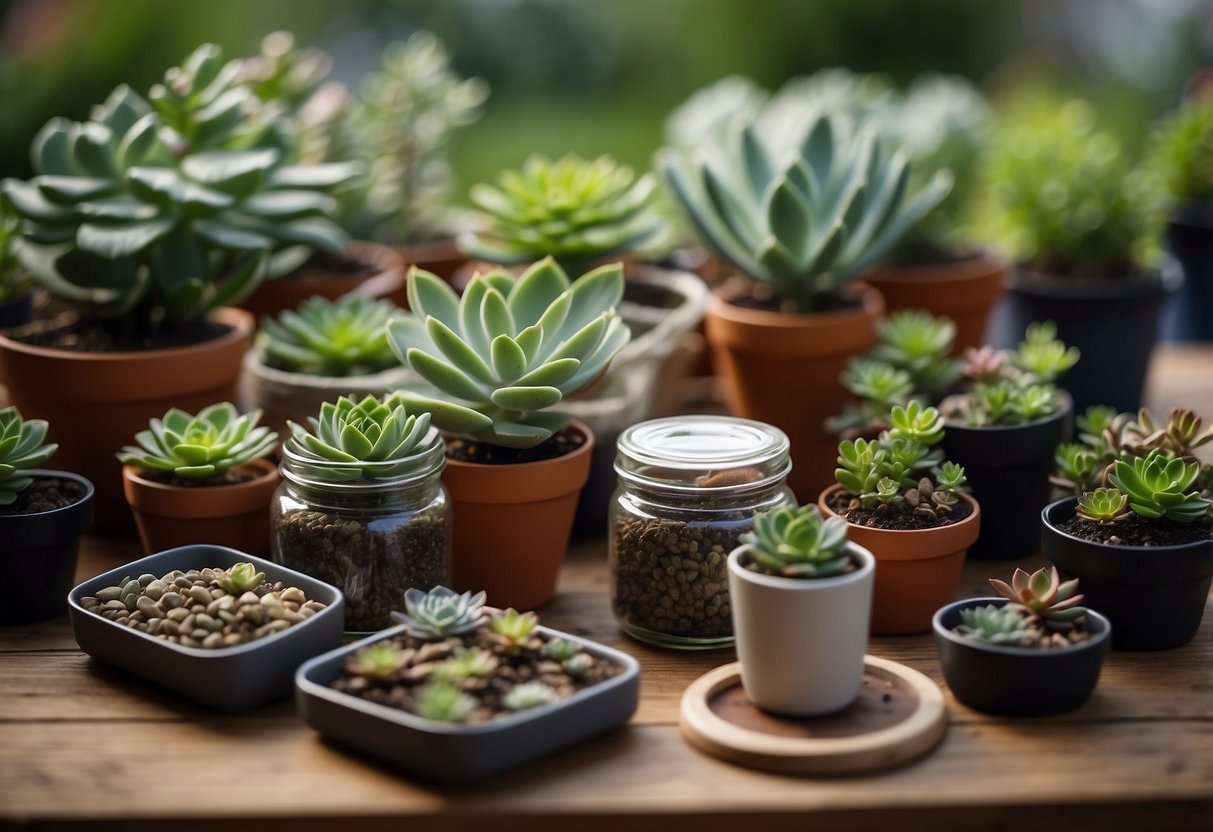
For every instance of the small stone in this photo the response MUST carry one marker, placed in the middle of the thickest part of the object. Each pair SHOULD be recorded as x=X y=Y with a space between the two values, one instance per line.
x=146 y=579
x=168 y=627
x=149 y=607
x=232 y=639
x=152 y=627
x=155 y=590
x=206 y=622
x=269 y=628
x=110 y=593
x=199 y=634
x=171 y=600
x=248 y=598
x=213 y=640
x=90 y=603
x=113 y=605
x=183 y=582
x=186 y=641
x=254 y=614
x=294 y=594
x=178 y=614
x=201 y=595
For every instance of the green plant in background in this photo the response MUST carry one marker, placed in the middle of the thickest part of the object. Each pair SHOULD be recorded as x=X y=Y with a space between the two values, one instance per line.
x=363 y=441
x=509 y=349
x=284 y=75
x=202 y=449
x=158 y=210
x=1004 y=625
x=1161 y=487
x=797 y=543
x=576 y=211
x=382 y=660
x=14 y=279
x=1041 y=356
x=336 y=338
x=1104 y=506
x=1181 y=152
x=805 y=210
x=441 y=612
x=443 y=702
x=466 y=663
x=241 y=578
x=22 y=446
x=1043 y=596
x=530 y=695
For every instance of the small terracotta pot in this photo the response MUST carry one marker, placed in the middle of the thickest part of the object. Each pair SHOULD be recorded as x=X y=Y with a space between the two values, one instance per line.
x=783 y=369
x=917 y=571
x=236 y=516
x=512 y=524
x=964 y=290
x=290 y=290
x=96 y=401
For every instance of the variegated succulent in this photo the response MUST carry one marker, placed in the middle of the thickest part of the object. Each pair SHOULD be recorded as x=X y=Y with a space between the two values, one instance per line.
x=441 y=612
x=797 y=543
x=200 y=449
x=22 y=446
x=509 y=349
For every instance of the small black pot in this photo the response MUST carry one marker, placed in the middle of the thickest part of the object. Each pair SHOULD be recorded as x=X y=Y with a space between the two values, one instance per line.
x=1154 y=596
x=1018 y=681
x=1189 y=239
x=1008 y=469
x=38 y=553
x=17 y=311
x=1113 y=322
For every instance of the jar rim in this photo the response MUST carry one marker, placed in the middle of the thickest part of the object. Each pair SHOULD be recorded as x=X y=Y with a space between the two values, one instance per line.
x=424 y=465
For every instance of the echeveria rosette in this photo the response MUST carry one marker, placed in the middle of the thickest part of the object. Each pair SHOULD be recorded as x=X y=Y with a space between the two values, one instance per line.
x=363 y=440
x=805 y=216
x=336 y=338
x=200 y=449
x=1043 y=595
x=1006 y=625
x=441 y=612
x=1160 y=487
x=509 y=349
x=21 y=447
x=169 y=206
x=798 y=543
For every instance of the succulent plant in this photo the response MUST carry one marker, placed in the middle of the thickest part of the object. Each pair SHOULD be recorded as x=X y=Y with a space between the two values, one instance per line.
x=363 y=441
x=381 y=660
x=529 y=695
x=508 y=349
x=1180 y=436
x=443 y=702
x=579 y=212
x=797 y=543
x=513 y=627
x=950 y=477
x=561 y=649
x=1158 y=487
x=916 y=423
x=284 y=74
x=1005 y=625
x=200 y=449
x=1181 y=151
x=441 y=612
x=577 y=665
x=804 y=213
x=1015 y=387
x=336 y=338
x=1041 y=355
x=1078 y=467
x=1044 y=596
x=14 y=279
x=241 y=578
x=21 y=447
x=984 y=364
x=158 y=210
x=921 y=345
x=1104 y=506
x=466 y=663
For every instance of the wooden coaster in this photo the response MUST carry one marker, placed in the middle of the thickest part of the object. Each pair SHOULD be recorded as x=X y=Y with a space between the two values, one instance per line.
x=898 y=716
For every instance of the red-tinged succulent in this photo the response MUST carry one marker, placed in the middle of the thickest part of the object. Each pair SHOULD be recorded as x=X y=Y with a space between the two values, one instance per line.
x=1043 y=595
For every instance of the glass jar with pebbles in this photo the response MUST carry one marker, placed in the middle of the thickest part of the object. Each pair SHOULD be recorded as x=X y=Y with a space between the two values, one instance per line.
x=689 y=487
x=362 y=506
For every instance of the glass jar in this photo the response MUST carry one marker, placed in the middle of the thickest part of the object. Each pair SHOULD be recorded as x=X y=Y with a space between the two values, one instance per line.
x=689 y=487
x=373 y=538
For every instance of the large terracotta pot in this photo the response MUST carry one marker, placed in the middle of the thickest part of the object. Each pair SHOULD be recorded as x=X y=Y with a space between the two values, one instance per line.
x=917 y=571
x=783 y=369
x=236 y=516
x=512 y=524
x=288 y=291
x=964 y=290
x=97 y=401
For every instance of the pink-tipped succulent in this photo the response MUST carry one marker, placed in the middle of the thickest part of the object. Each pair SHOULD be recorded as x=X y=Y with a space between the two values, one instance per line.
x=984 y=364
x=1044 y=596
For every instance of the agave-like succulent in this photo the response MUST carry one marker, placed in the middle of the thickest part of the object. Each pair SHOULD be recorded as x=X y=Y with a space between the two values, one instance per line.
x=798 y=543
x=1104 y=506
x=1043 y=595
x=200 y=449
x=805 y=216
x=1158 y=486
x=1005 y=625
x=508 y=349
x=579 y=212
x=367 y=440
x=441 y=612
x=165 y=207
x=339 y=338
x=21 y=446
x=242 y=577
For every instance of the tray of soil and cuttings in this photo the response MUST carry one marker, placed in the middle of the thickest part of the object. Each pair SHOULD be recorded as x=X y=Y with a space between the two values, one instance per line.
x=459 y=692
x=224 y=628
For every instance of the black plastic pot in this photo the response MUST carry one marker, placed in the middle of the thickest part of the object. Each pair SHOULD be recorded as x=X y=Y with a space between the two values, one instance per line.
x=1018 y=681
x=17 y=311
x=1008 y=469
x=1154 y=596
x=1114 y=323
x=38 y=555
x=1189 y=239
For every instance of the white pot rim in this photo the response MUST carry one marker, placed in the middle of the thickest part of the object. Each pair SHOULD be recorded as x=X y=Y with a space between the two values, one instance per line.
x=867 y=565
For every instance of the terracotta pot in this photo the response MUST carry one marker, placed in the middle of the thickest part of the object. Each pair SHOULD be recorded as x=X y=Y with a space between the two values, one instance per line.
x=236 y=516
x=783 y=369
x=440 y=257
x=290 y=290
x=512 y=524
x=964 y=290
x=917 y=571
x=97 y=401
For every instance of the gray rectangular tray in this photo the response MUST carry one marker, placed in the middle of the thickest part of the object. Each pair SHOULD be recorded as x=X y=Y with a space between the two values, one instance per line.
x=227 y=678
x=459 y=754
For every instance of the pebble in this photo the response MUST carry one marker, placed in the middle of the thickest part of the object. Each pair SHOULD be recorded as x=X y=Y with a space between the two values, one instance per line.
x=171 y=600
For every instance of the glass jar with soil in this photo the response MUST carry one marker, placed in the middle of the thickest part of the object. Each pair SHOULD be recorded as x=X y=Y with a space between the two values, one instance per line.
x=689 y=487
x=373 y=538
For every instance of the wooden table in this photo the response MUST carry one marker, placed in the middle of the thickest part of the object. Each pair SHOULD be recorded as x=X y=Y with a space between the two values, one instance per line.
x=83 y=745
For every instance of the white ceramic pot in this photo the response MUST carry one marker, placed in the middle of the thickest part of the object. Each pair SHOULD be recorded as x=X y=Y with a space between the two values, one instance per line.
x=801 y=641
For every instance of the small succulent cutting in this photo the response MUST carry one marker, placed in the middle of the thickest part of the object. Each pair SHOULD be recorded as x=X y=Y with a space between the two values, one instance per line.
x=994 y=625
x=201 y=449
x=798 y=543
x=1043 y=595
x=241 y=578
x=576 y=211
x=1104 y=506
x=509 y=349
x=441 y=612
x=335 y=338
x=22 y=446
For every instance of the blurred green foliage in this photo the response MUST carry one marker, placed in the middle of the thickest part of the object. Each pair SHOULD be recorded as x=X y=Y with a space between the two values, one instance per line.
x=1181 y=152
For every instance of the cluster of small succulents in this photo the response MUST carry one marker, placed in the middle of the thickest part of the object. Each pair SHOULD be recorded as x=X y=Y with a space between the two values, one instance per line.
x=1043 y=611
x=202 y=449
x=204 y=608
x=336 y=338
x=797 y=543
x=460 y=662
x=22 y=446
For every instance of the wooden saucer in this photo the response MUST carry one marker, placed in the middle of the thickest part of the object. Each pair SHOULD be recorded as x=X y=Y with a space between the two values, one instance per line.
x=898 y=716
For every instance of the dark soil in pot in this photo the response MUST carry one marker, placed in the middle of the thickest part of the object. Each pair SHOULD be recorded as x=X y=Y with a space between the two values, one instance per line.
x=69 y=331
x=16 y=311
x=899 y=518
x=1189 y=238
x=482 y=453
